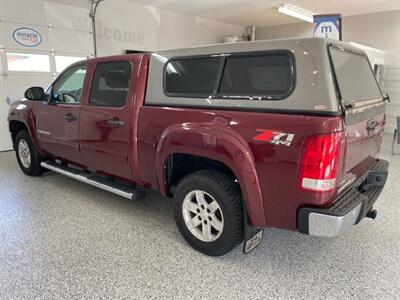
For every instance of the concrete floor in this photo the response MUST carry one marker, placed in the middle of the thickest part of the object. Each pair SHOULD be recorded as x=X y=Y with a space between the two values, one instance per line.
x=63 y=239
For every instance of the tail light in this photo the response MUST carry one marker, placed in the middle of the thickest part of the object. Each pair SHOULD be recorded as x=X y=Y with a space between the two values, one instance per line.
x=320 y=160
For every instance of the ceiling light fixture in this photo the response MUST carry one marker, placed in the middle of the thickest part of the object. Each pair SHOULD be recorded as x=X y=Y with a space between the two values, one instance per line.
x=297 y=12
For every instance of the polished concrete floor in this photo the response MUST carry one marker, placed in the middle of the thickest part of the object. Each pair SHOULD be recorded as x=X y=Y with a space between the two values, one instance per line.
x=63 y=239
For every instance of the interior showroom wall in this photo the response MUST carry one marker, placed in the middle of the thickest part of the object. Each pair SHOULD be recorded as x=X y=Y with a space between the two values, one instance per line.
x=149 y=28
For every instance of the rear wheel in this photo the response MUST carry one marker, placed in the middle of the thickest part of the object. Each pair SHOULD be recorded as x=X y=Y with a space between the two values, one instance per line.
x=209 y=212
x=27 y=156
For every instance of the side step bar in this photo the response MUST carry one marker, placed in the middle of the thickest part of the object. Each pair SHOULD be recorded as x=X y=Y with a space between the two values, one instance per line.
x=97 y=181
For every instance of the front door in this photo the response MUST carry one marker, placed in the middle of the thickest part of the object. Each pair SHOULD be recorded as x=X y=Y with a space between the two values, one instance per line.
x=106 y=119
x=58 y=119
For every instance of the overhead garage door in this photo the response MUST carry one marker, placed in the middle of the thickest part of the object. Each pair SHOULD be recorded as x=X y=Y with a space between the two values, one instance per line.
x=34 y=50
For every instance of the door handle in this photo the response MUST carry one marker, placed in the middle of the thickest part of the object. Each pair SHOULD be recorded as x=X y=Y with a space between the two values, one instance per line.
x=115 y=123
x=70 y=117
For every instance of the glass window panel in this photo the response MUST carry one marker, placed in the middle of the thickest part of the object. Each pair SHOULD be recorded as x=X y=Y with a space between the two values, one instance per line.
x=68 y=87
x=27 y=62
x=191 y=76
x=354 y=75
x=264 y=75
x=110 y=84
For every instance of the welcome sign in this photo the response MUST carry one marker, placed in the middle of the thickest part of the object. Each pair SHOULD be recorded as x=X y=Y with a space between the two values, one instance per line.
x=328 y=26
x=27 y=37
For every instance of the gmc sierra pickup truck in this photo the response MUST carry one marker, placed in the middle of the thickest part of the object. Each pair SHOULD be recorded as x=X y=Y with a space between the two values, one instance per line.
x=280 y=133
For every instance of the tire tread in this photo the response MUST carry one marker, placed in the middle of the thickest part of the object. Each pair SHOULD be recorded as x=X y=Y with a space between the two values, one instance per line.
x=231 y=191
x=35 y=168
x=223 y=181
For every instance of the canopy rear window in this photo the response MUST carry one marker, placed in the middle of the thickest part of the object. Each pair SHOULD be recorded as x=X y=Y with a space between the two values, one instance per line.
x=354 y=75
x=267 y=75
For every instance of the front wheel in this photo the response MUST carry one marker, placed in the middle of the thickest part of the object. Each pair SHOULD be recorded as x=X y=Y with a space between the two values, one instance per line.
x=209 y=212
x=27 y=156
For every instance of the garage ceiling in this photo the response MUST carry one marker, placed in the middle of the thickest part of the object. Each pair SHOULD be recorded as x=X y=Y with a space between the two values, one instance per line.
x=264 y=13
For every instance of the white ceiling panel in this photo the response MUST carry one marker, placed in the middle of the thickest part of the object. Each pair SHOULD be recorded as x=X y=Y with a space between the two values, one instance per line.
x=264 y=13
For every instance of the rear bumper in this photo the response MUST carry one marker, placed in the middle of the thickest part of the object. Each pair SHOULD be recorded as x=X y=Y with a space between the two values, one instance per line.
x=349 y=208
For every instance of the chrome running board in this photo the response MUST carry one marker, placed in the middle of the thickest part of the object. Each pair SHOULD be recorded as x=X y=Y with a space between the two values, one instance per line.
x=130 y=193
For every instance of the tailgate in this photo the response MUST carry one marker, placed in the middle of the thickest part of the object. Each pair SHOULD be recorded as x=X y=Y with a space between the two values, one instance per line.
x=363 y=105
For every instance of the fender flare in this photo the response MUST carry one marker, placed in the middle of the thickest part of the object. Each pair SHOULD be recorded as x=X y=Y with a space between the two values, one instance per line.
x=217 y=142
x=30 y=125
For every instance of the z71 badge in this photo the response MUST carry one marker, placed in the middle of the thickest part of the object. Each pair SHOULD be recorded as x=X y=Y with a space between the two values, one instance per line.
x=274 y=137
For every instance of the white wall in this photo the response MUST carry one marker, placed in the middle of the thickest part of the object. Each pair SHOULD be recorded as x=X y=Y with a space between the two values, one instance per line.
x=61 y=34
x=125 y=25
x=378 y=30
x=303 y=29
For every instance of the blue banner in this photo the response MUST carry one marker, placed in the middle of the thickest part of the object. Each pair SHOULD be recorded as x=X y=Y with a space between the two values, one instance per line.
x=328 y=26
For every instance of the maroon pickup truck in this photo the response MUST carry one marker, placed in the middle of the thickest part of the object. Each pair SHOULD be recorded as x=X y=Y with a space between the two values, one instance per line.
x=280 y=133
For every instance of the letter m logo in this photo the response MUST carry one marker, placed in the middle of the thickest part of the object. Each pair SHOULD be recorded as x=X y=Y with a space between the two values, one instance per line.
x=326 y=28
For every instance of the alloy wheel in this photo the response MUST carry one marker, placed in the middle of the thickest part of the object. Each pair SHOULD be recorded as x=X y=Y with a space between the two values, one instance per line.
x=203 y=215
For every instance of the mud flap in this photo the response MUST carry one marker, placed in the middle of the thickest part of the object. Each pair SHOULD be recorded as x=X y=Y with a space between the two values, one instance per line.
x=253 y=238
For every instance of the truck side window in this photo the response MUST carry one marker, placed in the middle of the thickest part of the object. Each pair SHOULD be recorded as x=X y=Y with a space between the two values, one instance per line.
x=191 y=76
x=110 y=84
x=68 y=87
x=268 y=75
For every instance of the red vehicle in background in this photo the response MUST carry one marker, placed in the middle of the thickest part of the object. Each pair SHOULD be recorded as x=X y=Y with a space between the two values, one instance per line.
x=244 y=136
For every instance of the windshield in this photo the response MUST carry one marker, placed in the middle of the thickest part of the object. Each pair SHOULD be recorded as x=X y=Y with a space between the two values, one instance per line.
x=354 y=76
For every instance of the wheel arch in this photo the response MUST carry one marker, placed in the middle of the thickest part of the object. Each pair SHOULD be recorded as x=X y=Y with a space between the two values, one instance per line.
x=178 y=165
x=16 y=126
x=233 y=155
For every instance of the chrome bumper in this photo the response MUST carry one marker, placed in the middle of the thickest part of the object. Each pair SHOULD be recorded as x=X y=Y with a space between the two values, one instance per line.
x=331 y=226
x=350 y=207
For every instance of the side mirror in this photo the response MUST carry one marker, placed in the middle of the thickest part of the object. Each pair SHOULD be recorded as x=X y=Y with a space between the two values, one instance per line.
x=34 y=93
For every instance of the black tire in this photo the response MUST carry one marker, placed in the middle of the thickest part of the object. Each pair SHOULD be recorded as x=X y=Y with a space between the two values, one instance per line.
x=34 y=168
x=226 y=193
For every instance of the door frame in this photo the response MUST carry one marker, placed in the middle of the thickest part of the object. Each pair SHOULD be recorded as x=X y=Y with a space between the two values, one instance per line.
x=134 y=60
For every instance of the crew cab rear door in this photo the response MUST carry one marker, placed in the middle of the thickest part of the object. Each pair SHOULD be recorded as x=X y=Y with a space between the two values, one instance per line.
x=363 y=106
x=105 y=129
